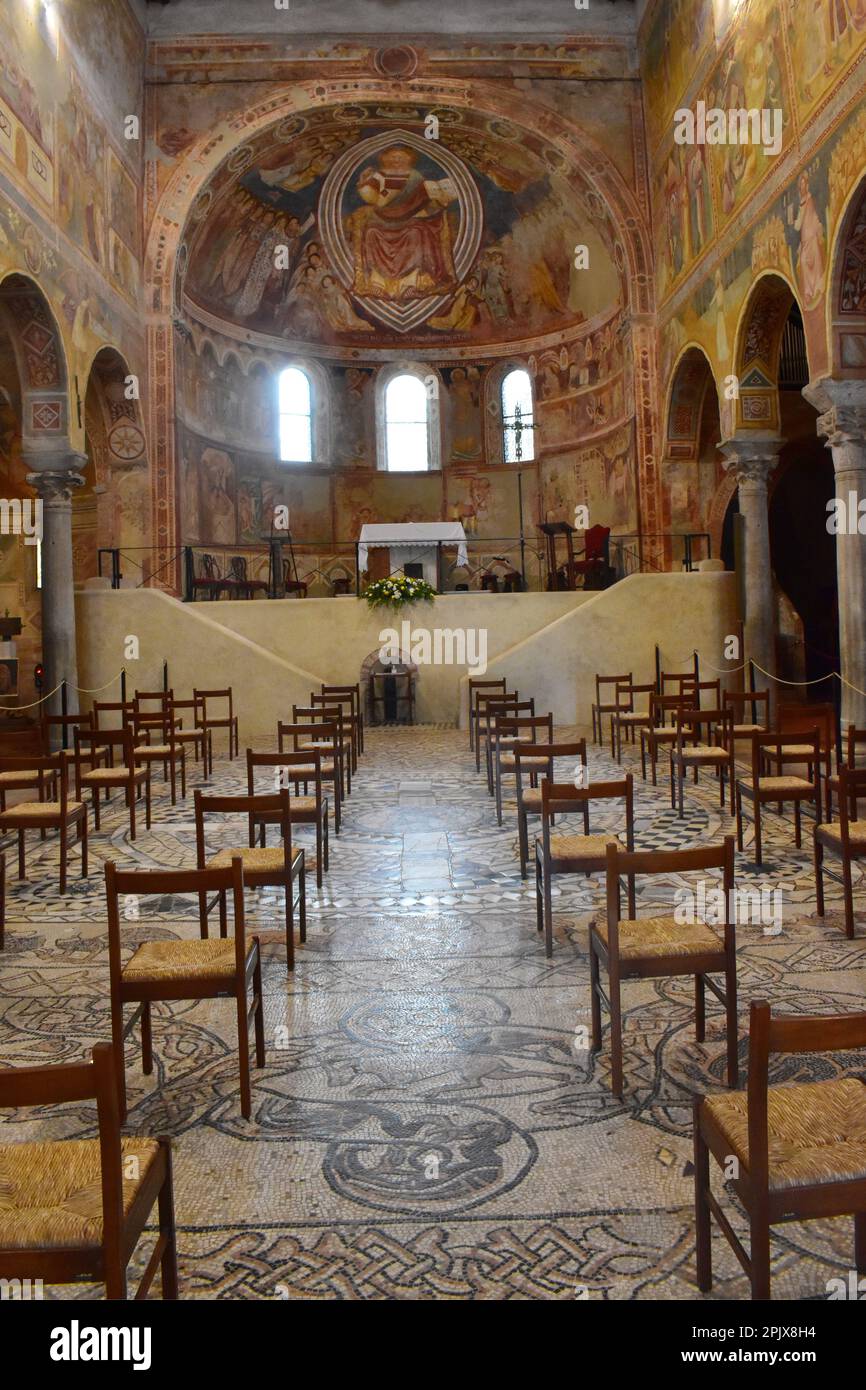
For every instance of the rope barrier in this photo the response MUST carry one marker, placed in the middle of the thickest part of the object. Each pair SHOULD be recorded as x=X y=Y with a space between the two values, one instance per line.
x=780 y=680
x=77 y=689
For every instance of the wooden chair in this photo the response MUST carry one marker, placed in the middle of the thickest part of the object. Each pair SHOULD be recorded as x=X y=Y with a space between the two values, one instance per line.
x=759 y=788
x=745 y=707
x=661 y=946
x=337 y=742
x=475 y=689
x=847 y=841
x=172 y=969
x=357 y=706
x=659 y=733
x=63 y=815
x=238 y=583
x=221 y=721
x=625 y=716
x=574 y=854
x=804 y=718
x=485 y=700
x=513 y=710
x=278 y=867
x=291 y=584
x=528 y=760
x=167 y=750
x=2 y=901
x=209 y=578
x=131 y=778
x=333 y=702
x=112 y=714
x=507 y=734
x=799 y=1149
x=76 y=1209
x=854 y=739
x=303 y=766
x=603 y=706
x=680 y=684
x=325 y=765
x=694 y=755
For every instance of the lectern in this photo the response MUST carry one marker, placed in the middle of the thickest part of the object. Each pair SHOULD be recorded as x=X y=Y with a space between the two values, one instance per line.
x=559 y=576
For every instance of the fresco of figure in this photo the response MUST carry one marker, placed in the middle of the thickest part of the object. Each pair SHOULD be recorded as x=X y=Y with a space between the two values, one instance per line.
x=401 y=236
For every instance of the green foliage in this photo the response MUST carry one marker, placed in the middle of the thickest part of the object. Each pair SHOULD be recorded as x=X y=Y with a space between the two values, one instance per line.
x=397 y=592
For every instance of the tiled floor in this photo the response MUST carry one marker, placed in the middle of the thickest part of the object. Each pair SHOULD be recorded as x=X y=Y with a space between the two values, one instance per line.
x=429 y=1124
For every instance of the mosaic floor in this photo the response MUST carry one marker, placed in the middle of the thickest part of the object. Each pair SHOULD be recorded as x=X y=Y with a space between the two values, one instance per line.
x=428 y=1125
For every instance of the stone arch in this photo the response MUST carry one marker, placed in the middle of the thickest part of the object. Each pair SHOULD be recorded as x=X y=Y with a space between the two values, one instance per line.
x=42 y=369
x=758 y=348
x=590 y=165
x=372 y=663
x=846 y=306
x=691 y=393
x=110 y=511
x=492 y=402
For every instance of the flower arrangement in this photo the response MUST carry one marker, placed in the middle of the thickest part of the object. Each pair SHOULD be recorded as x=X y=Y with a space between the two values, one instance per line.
x=397 y=591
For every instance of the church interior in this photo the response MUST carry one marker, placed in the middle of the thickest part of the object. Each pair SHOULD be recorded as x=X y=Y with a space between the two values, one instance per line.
x=433 y=651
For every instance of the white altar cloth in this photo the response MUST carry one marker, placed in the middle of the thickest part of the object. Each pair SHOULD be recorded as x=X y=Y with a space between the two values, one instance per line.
x=410 y=537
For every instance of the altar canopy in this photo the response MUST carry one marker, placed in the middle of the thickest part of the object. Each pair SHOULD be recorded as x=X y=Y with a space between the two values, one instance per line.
x=413 y=543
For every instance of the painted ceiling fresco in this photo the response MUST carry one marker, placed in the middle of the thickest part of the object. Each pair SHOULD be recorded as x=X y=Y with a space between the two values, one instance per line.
x=392 y=236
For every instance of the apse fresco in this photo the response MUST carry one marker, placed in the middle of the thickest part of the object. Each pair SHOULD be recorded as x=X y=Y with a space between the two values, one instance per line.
x=390 y=236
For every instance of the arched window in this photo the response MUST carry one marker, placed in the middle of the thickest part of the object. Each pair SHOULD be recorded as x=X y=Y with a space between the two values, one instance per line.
x=518 y=417
x=295 y=408
x=407 y=425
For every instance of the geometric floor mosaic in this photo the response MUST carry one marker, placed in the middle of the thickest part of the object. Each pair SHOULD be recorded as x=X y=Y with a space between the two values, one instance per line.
x=428 y=1124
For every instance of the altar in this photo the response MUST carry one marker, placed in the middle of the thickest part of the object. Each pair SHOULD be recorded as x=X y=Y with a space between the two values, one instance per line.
x=417 y=542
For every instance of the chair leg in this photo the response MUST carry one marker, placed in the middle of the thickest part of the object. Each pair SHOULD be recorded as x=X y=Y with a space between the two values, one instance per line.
x=96 y=824
x=703 y=1236
x=615 y=1031
x=539 y=908
x=146 y=1039
x=290 y=922
x=165 y=1206
x=759 y=858
x=548 y=911
x=849 y=898
x=498 y=780
x=594 y=1000
x=759 y=1231
x=522 y=840
x=244 y=1050
x=798 y=829
x=63 y=856
x=147 y=801
x=21 y=866
x=700 y=1010
x=739 y=820
x=818 y=851
x=302 y=903
x=130 y=801
x=860 y=1242
x=119 y=1059
x=259 y=1017
x=82 y=835
x=224 y=926
x=732 y=1036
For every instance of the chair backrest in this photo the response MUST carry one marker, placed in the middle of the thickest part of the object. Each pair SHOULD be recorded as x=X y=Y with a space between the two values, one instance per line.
x=477 y=686
x=335 y=702
x=277 y=804
x=483 y=698
x=304 y=758
x=690 y=720
x=513 y=710
x=194 y=704
x=159 y=883
x=815 y=1033
x=523 y=727
x=105 y=738
x=327 y=733
x=662 y=705
x=162 y=698
x=65 y=1082
x=625 y=696
x=794 y=718
x=523 y=752
x=238 y=568
x=341 y=693
x=160 y=720
x=852 y=787
x=210 y=567
x=856 y=738
x=560 y=798
x=713 y=689
x=774 y=740
x=44 y=764
x=681 y=681
x=103 y=708
x=631 y=864
x=318 y=715
x=65 y=721
x=595 y=542
x=615 y=681
x=740 y=701
x=203 y=696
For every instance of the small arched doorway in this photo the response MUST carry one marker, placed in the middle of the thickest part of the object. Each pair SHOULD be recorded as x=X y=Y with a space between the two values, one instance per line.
x=693 y=470
x=111 y=511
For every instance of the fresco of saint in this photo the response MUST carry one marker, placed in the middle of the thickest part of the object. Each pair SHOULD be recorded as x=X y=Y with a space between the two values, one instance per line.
x=401 y=236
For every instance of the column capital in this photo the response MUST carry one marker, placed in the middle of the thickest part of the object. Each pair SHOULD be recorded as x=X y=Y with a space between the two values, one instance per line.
x=56 y=485
x=842 y=406
x=751 y=458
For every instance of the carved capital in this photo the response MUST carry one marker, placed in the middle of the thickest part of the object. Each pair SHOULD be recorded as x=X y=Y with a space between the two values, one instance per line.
x=843 y=424
x=751 y=459
x=55 y=488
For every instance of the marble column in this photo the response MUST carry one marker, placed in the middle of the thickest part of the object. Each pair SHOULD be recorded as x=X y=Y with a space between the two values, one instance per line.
x=54 y=486
x=751 y=458
x=843 y=424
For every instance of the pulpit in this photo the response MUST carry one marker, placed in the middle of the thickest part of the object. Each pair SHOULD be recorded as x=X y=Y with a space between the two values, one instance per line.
x=559 y=576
